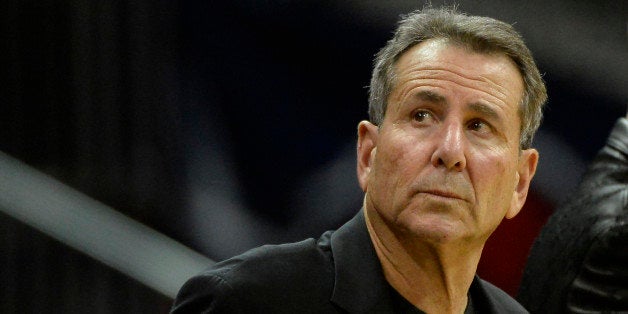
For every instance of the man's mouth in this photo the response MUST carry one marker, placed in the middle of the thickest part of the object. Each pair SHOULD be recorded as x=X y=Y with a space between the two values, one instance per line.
x=445 y=194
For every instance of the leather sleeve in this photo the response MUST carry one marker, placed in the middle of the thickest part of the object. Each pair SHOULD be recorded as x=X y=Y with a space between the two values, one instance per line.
x=602 y=281
x=579 y=262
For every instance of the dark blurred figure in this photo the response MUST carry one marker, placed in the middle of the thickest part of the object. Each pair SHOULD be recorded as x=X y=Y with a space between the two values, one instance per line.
x=579 y=263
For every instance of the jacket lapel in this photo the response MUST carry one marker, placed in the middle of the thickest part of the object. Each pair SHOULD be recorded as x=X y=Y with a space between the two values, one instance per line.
x=359 y=282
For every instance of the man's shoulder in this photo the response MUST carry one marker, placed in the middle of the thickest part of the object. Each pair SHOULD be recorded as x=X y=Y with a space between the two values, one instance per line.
x=271 y=277
x=275 y=263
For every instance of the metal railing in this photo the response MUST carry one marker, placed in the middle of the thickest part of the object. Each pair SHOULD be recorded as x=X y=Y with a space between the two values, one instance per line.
x=95 y=229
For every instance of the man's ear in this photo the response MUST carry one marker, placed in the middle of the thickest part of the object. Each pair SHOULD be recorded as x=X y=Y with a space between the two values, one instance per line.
x=367 y=144
x=528 y=161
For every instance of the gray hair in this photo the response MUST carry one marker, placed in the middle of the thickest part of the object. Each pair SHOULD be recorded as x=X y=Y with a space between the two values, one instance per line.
x=480 y=34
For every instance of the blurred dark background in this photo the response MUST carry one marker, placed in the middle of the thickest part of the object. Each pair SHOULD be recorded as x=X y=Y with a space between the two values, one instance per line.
x=229 y=124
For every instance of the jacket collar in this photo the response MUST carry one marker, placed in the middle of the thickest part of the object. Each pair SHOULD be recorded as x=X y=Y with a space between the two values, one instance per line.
x=360 y=285
x=359 y=281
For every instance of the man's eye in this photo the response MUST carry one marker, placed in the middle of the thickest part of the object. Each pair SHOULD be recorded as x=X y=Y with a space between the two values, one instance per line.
x=478 y=125
x=422 y=116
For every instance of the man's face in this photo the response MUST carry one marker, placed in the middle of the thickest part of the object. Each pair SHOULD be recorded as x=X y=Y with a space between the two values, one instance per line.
x=445 y=163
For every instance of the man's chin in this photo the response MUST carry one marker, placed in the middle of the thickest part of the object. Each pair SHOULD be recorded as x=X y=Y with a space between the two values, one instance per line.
x=435 y=229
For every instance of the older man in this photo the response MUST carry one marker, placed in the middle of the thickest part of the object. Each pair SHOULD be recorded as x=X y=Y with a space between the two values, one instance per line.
x=454 y=103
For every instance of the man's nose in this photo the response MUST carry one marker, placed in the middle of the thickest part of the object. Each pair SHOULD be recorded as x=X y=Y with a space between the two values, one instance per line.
x=450 y=150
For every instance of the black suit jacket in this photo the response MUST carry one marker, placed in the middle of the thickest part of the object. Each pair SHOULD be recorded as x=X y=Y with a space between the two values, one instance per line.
x=338 y=273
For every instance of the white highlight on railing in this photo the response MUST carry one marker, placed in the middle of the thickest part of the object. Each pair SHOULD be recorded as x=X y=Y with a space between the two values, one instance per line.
x=95 y=229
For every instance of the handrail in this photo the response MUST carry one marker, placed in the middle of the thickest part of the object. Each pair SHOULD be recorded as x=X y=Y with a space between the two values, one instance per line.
x=95 y=229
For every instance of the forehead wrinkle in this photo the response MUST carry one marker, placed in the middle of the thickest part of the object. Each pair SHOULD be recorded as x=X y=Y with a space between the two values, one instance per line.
x=417 y=64
x=429 y=73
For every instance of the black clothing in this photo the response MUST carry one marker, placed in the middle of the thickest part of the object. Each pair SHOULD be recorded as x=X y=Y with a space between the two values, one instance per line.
x=338 y=273
x=579 y=262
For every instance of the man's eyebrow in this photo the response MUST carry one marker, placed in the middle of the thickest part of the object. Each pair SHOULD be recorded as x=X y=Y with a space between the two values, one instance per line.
x=478 y=107
x=430 y=96
x=485 y=110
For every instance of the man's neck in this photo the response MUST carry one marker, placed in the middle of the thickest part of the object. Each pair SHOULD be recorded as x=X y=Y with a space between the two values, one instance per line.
x=434 y=278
